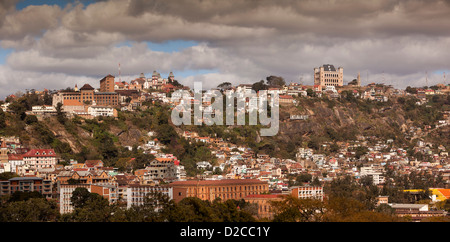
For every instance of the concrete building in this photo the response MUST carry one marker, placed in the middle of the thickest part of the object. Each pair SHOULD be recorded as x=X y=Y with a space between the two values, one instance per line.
x=327 y=75
x=26 y=184
x=136 y=194
x=108 y=191
x=376 y=173
x=308 y=192
x=107 y=84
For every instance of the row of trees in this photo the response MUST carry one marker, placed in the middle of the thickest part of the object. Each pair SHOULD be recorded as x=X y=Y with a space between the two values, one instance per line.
x=91 y=207
x=348 y=199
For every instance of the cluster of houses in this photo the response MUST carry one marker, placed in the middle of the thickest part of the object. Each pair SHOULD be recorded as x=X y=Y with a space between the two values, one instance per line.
x=89 y=102
x=265 y=177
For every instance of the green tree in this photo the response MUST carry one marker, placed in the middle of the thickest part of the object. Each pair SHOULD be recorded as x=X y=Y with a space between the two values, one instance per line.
x=2 y=119
x=30 y=210
x=303 y=178
x=79 y=198
x=310 y=92
x=224 y=85
x=60 y=116
x=30 y=119
x=292 y=209
x=275 y=81
x=89 y=207
x=257 y=86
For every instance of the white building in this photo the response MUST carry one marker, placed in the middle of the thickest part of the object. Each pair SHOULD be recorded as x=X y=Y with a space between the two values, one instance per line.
x=65 y=194
x=136 y=194
x=5 y=167
x=308 y=192
x=15 y=161
x=374 y=172
x=96 y=111
x=203 y=165
x=40 y=109
x=107 y=191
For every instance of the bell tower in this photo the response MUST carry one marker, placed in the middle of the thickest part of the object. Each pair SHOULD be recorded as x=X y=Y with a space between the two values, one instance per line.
x=358 y=80
x=3 y=152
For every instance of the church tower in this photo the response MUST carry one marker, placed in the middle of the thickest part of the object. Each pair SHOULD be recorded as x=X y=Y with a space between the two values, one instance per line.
x=4 y=152
x=358 y=80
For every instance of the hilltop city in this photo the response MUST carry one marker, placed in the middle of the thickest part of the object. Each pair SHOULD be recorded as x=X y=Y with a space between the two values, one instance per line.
x=383 y=146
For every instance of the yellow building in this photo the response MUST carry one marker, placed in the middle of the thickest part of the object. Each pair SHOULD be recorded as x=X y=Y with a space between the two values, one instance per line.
x=438 y=194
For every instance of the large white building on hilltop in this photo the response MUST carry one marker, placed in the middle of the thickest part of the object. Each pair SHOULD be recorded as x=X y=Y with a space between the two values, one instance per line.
x=328 y=75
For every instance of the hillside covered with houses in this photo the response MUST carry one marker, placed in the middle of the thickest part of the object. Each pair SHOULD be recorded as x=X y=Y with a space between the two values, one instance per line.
x=118 y=141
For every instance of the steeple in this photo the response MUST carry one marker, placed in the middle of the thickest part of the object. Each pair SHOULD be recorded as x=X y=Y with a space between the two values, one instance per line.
x=358 y=80
x=3 y=152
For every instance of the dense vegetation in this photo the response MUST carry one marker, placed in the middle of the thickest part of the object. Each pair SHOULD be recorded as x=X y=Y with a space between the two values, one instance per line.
x=348 y=202
x=91 y=207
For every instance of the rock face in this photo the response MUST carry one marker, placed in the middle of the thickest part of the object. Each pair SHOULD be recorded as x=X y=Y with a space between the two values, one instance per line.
x=340 y=118
x=132 y=136
x=78 y=137
x=324 y=119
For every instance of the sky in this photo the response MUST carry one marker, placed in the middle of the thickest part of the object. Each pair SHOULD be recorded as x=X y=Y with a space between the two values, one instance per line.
x=56 y=44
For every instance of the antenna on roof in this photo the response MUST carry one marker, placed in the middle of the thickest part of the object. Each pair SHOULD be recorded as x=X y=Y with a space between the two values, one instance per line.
x=120 y=75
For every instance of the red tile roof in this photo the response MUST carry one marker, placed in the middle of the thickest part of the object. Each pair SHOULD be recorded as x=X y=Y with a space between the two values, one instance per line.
x=15 y=157
x=264 y=196
x=40 y=153
x=217 y=182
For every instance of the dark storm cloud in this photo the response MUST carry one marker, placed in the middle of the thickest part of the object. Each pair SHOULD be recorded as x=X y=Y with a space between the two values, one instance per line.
x=242 y=40
x=348 y=18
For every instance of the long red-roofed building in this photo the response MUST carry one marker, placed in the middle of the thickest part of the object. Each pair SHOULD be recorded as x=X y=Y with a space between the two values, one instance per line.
x=40 y=158
x=223 y=189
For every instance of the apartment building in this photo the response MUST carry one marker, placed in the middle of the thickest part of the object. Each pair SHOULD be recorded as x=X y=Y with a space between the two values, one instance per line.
x=308 y=192
x=108 y=191
x=136 y=193
x=26 y=184
x=160 y=169
x=107 y=84
x=374 y=172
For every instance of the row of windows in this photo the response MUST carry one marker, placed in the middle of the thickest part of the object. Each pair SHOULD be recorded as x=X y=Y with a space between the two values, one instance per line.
x=331 y=75
x=235 y=188
x=332 y=80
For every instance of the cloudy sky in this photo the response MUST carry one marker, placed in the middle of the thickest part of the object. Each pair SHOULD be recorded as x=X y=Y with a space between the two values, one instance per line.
x=59 y=43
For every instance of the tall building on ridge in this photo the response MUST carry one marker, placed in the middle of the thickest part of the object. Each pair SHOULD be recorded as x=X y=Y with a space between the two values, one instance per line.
x=107 y=84
x=88 y=95
x=358 y=80
x=171 y=77
x=327 y=75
